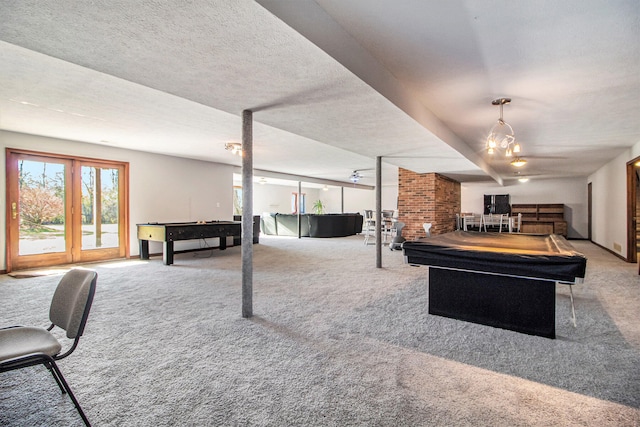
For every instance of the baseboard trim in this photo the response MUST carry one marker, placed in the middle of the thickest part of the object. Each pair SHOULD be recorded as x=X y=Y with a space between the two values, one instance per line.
x=611 y=252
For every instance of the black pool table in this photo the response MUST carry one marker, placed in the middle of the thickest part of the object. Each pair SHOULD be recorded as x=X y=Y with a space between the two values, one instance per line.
x=498 y=279
x=167 y=233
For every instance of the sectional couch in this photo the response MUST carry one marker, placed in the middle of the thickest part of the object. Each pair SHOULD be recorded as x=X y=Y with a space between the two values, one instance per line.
x=326 y=225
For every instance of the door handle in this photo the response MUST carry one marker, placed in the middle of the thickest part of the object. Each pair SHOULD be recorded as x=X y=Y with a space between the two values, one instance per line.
x=14 y=210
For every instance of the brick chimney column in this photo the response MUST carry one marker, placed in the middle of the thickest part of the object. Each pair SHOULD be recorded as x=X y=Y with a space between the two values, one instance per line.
x=428 y=197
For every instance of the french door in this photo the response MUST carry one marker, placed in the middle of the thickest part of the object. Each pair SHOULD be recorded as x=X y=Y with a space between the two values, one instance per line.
x=64 y=210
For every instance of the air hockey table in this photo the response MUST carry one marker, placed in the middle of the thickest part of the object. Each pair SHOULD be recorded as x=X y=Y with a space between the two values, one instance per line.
x=503 y=280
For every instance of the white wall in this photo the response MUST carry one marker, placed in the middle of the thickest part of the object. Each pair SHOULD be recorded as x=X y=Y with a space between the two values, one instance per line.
x=572 y=192
x=390 y=197
x=272 y=198
x=609 y=196
x=332 y=199
x=357 y=200
x=161 y=188
x=277 y=198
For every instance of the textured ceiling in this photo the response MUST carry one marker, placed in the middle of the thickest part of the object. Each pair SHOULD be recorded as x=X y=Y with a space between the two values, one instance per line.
x=332 y=84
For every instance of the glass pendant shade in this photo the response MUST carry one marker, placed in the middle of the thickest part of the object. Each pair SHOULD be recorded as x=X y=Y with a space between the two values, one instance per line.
x=518 y=162
x=502 y=138
x=234 y=147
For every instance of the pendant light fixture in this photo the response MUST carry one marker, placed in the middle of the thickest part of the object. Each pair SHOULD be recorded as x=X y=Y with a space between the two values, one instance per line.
x=234 y=147
x=518 y=162
x=501 y=136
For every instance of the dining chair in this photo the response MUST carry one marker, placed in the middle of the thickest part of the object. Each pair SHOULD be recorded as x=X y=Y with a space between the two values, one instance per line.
x=483 y=222
x=470 y=220
x=492 y=220
x=25 y=346
x=514 y=223
x=500 y=221
x=387 y=224
x=368 y=225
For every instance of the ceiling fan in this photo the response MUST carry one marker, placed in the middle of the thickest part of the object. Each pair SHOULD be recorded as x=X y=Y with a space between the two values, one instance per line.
x=355 y=176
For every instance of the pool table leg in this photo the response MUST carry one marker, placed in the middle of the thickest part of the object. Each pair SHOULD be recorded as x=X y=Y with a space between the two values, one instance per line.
x=167 y=253
x=144 y=249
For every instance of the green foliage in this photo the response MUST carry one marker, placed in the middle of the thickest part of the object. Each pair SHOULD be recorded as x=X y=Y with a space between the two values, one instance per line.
x=237 y=200
x=109 y=195
x=318 y=207
x=42 y=194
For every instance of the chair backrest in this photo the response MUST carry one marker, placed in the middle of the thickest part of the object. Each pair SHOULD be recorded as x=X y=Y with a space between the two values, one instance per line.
x=387 y=214
x=398 y=225
x=427 y=228
x=518 y=222
x=368 y=214
x=72 y=301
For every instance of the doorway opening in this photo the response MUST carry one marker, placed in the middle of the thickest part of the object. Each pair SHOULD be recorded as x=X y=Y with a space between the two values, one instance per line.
x=633 y=210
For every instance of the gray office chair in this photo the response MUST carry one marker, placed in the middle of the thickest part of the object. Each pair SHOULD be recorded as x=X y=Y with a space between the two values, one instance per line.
x=24 y=346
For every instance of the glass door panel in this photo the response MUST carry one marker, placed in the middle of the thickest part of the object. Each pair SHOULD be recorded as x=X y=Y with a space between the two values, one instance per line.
x=41 y=207
x=100 y=208
x=39 y=223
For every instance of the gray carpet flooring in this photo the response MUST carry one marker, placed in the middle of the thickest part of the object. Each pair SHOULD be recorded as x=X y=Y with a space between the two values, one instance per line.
x=334 y=342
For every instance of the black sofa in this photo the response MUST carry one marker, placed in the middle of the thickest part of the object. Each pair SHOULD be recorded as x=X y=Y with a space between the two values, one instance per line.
x=256 y=228
x=327 y=225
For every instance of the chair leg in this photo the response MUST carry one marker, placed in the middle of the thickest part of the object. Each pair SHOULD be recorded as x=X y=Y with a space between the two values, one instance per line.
x=69 y=392
x=55 y=377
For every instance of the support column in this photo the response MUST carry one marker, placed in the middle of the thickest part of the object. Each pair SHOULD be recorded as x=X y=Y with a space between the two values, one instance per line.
x=247 y=213
x=379 y=212
x=299 y=209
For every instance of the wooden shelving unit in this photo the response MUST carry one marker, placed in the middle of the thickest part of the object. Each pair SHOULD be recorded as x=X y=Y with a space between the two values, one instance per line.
x=541 y=218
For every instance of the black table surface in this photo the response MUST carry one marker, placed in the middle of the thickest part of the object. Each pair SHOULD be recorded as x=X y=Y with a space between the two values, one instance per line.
x=549 y=257
x=176 y=224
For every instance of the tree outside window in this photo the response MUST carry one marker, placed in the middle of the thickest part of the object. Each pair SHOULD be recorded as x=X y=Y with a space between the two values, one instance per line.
x=237 y=200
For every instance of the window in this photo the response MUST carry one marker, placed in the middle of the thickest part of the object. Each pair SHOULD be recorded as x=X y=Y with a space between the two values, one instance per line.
x=237 y=200
x=294 y=203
